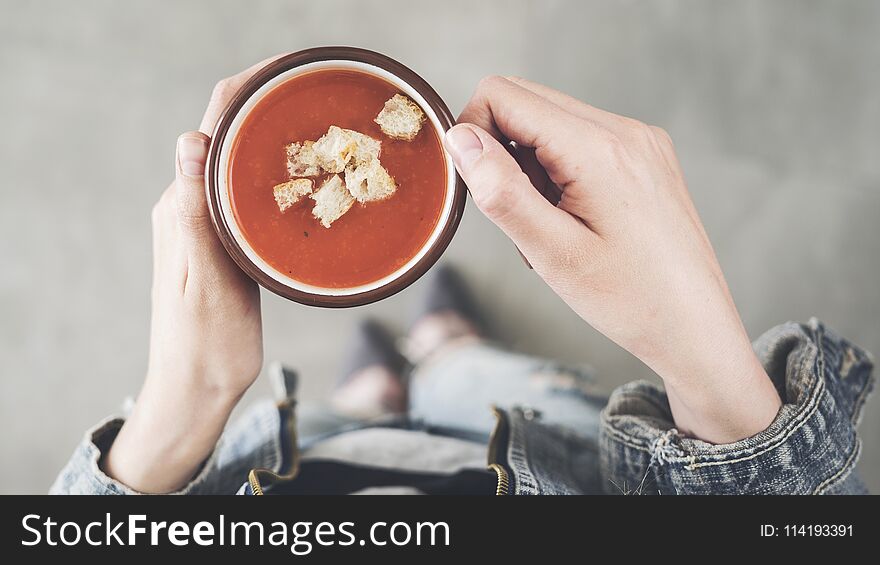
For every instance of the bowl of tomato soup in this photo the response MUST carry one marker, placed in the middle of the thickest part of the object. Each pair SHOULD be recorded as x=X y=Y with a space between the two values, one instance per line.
x=327 y=179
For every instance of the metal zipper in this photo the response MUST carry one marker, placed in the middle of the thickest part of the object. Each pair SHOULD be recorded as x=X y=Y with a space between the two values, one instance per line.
x=503 y=486
x=496 y=457
x=255 y=483
x=253 y=478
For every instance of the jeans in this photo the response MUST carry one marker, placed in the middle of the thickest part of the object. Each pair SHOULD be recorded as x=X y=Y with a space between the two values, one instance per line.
x=554 y=434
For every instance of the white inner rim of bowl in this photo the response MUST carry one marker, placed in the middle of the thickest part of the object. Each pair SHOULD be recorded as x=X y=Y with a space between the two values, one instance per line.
x=226 y=204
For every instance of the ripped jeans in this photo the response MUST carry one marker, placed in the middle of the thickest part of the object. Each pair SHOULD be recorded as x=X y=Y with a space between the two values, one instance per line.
x=456 y=390
x=553 y=434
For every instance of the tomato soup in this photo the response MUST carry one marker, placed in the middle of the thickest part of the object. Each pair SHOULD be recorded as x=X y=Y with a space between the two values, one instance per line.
x=372 y=240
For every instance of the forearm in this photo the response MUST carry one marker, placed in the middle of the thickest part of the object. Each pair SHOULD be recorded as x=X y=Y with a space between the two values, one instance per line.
x=743 y=406
x=718 y=390
x=170 y=433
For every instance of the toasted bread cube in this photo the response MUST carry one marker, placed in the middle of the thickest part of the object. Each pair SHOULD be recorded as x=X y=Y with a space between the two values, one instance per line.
x=289 y=193
x=335 y=149
x=339 y=146
x=302 y=161
x=368 y=149
x=369 y=181
x=332 y=200
x=401 y=118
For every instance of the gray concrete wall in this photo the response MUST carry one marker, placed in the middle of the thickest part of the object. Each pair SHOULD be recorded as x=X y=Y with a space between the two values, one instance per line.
x=773 y=107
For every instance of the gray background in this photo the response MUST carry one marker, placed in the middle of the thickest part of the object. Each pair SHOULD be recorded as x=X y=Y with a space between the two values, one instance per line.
x=773 y=107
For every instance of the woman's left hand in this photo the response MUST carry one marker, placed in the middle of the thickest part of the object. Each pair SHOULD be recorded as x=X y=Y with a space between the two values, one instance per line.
x=206 y=343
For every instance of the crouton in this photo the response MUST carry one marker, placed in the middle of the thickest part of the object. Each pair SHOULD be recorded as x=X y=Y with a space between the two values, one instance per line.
x=369 y=181
x=289 y=193
x=302 y=161
x=332 y=200
x=340 y=146
x=368 y=148
x=400 y=118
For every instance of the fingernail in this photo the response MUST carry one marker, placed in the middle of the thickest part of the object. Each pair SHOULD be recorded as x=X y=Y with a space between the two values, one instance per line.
x=192 y=152
x=464 y=145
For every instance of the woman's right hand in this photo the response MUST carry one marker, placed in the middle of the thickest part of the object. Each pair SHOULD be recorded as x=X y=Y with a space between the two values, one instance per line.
x=624 y=246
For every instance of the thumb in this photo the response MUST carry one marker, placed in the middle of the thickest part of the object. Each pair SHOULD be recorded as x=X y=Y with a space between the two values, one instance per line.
x=204 y=250
x=503 y=192
x=192 y=202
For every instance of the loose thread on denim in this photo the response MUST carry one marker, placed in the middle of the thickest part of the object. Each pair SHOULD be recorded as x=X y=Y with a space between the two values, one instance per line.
x=849 y=360
x=622 y=489
x=663 y=450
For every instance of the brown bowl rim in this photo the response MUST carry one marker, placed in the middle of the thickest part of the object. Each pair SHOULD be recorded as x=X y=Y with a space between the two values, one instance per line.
x=212 y=185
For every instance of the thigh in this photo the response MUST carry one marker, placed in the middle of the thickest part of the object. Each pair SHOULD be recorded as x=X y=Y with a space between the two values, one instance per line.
x=316 y=421
x=458 y=388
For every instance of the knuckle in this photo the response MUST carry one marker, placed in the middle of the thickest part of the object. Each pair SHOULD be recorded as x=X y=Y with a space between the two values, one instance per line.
x=190 y=215
x=640 y=132
x=222 y=89
x=497 y=200
x=631 y=124
x=615 y=146
x=194 y=224
x=661 y=135
x=658 y=131
x=622 y=146
x=489 y=82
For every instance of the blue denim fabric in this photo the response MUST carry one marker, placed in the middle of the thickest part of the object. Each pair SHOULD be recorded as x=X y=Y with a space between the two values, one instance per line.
x=810 y=448
x=253 y=441
x=456 y=390
x=560 y=444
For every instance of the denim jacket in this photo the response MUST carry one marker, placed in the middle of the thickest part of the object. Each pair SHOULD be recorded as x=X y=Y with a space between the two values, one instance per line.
x=810 y=448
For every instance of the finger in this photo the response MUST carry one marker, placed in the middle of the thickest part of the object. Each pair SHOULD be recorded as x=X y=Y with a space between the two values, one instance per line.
x=528 y=162
x=207 y=259
x=563 y=141
x=225 y=90
x=499 y=106
x=502 y=191
x=571 y=104
x=582 y=157
x=193 y=216
x=192 y=202
x=208 y=263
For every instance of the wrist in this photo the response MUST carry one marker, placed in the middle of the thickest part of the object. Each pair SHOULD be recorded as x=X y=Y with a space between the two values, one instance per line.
x=215 y=384
x=722 y=397
x=169 y=435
